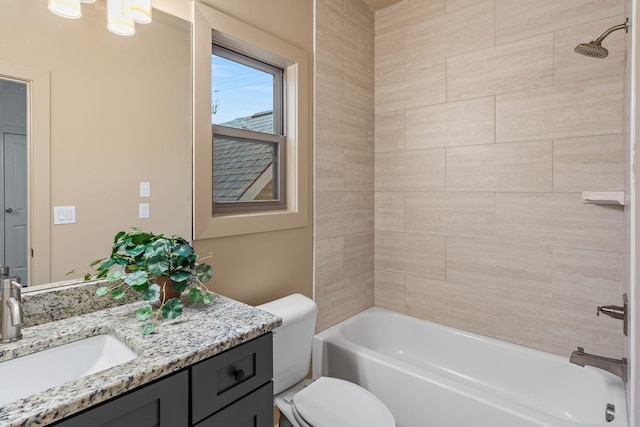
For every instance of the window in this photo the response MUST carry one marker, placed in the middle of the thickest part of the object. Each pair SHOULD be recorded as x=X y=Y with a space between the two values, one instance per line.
x=280 y=198
x=248 y=133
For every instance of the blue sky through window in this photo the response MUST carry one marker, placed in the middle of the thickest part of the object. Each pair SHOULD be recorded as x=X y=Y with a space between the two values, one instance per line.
x=238 y=90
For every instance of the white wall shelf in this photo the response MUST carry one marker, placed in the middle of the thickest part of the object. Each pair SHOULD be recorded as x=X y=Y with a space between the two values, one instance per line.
x=603 y=197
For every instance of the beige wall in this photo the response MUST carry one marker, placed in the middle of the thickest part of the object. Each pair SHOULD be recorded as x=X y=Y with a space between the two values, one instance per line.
x=255 y=268
x=344 y=160
x=115 y=121
x=488 y=128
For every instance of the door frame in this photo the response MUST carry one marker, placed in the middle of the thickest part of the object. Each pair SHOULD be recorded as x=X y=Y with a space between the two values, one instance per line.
x=9 y=130
x=39 y=164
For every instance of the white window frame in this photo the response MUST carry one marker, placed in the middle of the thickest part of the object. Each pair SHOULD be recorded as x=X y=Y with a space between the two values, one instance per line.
x=232 y=53
x=208 y=24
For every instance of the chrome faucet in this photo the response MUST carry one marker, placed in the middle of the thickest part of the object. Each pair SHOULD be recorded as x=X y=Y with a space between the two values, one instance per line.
x=11 y=316
x=615 y=366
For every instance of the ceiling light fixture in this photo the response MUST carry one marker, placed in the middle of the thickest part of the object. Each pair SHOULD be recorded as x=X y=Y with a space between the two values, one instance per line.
x=122 y=15
x=66 y=8
x=116 y=21
x=138 y=10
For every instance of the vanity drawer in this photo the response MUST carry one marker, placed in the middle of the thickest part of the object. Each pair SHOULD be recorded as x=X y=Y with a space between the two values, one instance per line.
x=221 y=380
x=253 y=410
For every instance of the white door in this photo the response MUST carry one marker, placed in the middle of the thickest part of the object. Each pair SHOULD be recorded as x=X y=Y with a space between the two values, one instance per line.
x=16 y=248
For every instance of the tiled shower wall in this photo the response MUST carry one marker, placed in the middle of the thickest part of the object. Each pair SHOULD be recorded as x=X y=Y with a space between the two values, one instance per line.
x=487 y=129
x=344 y=158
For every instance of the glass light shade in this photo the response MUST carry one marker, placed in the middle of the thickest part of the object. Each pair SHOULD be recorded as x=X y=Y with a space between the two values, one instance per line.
x=88 y=1
x=116 y=22
x=66 y=8
x=138 y=10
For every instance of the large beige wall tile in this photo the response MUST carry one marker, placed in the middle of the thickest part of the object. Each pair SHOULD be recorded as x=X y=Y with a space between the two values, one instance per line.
x=450 y=214
x=360 y=13
x=524 y=64
x=358 y=254
x=358 y=212
x=510 y=267
x=588 y=163
x=358 y=170
x=425 y=86
x=587 y=277
x=359 y=87
x=340 y=300
x=389 y=290
x=329 y=254
x=570 y=67
x=389 y=57
x=400 y=88
x=341 y=35
x=389 y=211
x=406 y=13
x=330 y=174
x=329 y=215
x=338 y=5
x=410 y=170
x=329 y=78
x=517 y=19
x=343 y=213
x=555 y=326
x=557 y=219
x=471 y=308
x=389 y=131
x=457 y=123
x=408 y=253
x=356 y=127
x=461 y=31
x=453 y=5
x=516 y=166
x=570 y=110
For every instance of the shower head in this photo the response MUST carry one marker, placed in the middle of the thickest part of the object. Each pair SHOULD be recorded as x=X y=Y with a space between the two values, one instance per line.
x=594 y=48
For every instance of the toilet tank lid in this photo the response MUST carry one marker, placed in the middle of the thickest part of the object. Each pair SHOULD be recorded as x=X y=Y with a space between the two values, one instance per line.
x=291 y=308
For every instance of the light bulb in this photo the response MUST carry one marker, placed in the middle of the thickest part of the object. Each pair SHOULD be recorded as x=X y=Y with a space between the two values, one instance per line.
x=66 y=8
x=116 y=22
x=138 y=10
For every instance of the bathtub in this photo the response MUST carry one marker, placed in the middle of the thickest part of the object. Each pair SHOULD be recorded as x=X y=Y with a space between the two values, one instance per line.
x=431 y=375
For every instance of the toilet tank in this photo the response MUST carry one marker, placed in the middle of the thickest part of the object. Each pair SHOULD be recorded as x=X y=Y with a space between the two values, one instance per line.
x=292 y=341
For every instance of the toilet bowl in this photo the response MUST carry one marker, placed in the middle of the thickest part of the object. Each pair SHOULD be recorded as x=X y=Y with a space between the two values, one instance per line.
x=325 y=402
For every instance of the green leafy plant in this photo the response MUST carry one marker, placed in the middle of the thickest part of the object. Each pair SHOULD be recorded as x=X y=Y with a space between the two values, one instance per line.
x=143 y=262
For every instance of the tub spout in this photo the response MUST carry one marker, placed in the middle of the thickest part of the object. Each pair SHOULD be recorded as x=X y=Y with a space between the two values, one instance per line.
x=615 y=366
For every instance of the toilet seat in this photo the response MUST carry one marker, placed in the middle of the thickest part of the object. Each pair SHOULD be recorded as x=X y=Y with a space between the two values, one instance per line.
x=332 y=402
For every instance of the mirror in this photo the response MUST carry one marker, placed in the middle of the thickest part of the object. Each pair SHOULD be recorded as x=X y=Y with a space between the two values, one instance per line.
x=120 y=114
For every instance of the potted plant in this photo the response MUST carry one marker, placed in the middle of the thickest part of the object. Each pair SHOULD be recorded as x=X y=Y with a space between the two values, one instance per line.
x=159 y=267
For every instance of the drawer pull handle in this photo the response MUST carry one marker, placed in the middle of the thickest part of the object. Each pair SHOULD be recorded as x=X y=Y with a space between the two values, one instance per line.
x=238 y=375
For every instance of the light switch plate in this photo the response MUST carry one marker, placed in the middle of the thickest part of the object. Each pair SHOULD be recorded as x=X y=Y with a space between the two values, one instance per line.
x=145 y=189
x=64 y=215
x=143 y=210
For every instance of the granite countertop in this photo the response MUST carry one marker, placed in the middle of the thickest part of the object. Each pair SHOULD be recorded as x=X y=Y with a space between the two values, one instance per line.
x=200 y=332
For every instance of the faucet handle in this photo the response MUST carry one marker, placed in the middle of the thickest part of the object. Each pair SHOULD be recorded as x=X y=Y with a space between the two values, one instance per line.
x=580 y=351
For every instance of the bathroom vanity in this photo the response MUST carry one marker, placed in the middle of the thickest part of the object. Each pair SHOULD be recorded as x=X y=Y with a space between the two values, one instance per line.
x=211 y=366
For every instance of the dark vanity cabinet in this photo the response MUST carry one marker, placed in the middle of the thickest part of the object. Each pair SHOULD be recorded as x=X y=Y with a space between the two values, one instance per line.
x=231 y=389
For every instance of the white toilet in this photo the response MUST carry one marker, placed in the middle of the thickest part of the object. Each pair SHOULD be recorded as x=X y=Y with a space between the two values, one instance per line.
x=325 y=402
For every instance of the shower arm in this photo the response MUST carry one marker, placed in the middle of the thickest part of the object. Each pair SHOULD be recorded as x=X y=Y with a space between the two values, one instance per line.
x=624 y=27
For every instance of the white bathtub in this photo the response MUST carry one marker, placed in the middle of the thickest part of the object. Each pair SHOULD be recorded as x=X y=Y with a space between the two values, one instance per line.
x=431 y=375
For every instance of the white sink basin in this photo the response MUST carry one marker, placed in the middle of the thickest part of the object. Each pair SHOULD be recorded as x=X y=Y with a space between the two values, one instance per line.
x=26 y=375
